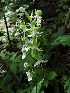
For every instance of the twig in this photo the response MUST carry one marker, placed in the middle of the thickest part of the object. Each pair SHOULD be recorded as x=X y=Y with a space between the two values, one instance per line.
x=7 y=31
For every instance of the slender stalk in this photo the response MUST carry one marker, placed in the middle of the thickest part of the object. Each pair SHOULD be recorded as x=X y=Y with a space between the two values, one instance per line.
x=24 y=35
x=7 y=31
x=36 y=83
x=36 y=38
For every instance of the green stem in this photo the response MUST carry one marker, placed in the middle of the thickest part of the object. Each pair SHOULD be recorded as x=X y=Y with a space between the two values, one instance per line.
x=24 y=35
x=36 y=83
x=36 y=38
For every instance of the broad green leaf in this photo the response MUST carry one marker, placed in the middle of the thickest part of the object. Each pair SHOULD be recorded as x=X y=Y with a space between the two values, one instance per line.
x=64 y=40
x=2 y=54
x=60 y=32
x=21 y=66
x=13 y=56
x=1 y=15
x=51 y=75
x=29 y=60
x=38 y=87
x=45 y=83
x=19 y=45
x=13 y=67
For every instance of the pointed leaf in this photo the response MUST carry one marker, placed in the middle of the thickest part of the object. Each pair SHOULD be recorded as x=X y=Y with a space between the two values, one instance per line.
x=51 y=75
x=1 y=15
x=38 y=87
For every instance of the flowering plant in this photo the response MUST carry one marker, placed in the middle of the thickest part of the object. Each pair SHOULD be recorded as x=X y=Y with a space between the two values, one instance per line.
x=31 y=44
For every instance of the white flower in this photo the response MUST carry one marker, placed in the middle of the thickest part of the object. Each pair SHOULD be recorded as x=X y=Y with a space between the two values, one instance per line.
x=38 y=22
x=3 y=40
x=29 y=35
x=24 y=55
x=26 y=65
x=17 y=10
x=39 y=61
x=3 y=71
x=24 y=30
x=35 y=47
x=33 y=34
x=23 y=49
x=26 y=48
x=29 y=76
x=17 y=34
x=39 y=33
x=32 y=15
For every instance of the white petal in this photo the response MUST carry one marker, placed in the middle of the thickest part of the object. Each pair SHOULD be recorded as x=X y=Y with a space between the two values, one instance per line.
x=26 y=48
x=26 y=65
x=29 y=35
x=24 y=55
x=29 y=78
x=39 y=61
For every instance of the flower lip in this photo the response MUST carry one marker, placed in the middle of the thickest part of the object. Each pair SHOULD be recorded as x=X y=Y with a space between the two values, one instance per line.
x=29 y=76
x=40 y=61
x=26 y=65
x=24 y=55
x=26 y=48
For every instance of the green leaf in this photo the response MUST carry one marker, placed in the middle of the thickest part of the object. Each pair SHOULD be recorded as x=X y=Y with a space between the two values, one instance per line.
x=45 y=83
x=64 y=40
x=51 y=75
x=13 y=67
x=1 y=15
x=60 y=32
x=29 y=60
x=27 y=15
x=33 y=22
x=67 y=83
x=20 y=91
x=13 y=56
x=9 y=89
x=68 y=90
x=19 y=45
x=42 y=91
x=38 y=87
x=2 y=54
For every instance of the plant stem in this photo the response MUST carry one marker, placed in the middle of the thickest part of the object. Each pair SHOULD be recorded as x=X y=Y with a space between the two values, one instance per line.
x=36 y=38
x=24 y=35
x=36 y=83
x=7 y=31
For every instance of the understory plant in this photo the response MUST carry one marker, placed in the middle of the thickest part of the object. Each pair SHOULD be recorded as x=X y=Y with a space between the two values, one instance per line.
x=26 y=63
x=31 y=56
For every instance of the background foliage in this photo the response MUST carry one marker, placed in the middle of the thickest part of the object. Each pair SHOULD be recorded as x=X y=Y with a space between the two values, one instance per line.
x=26 y=28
